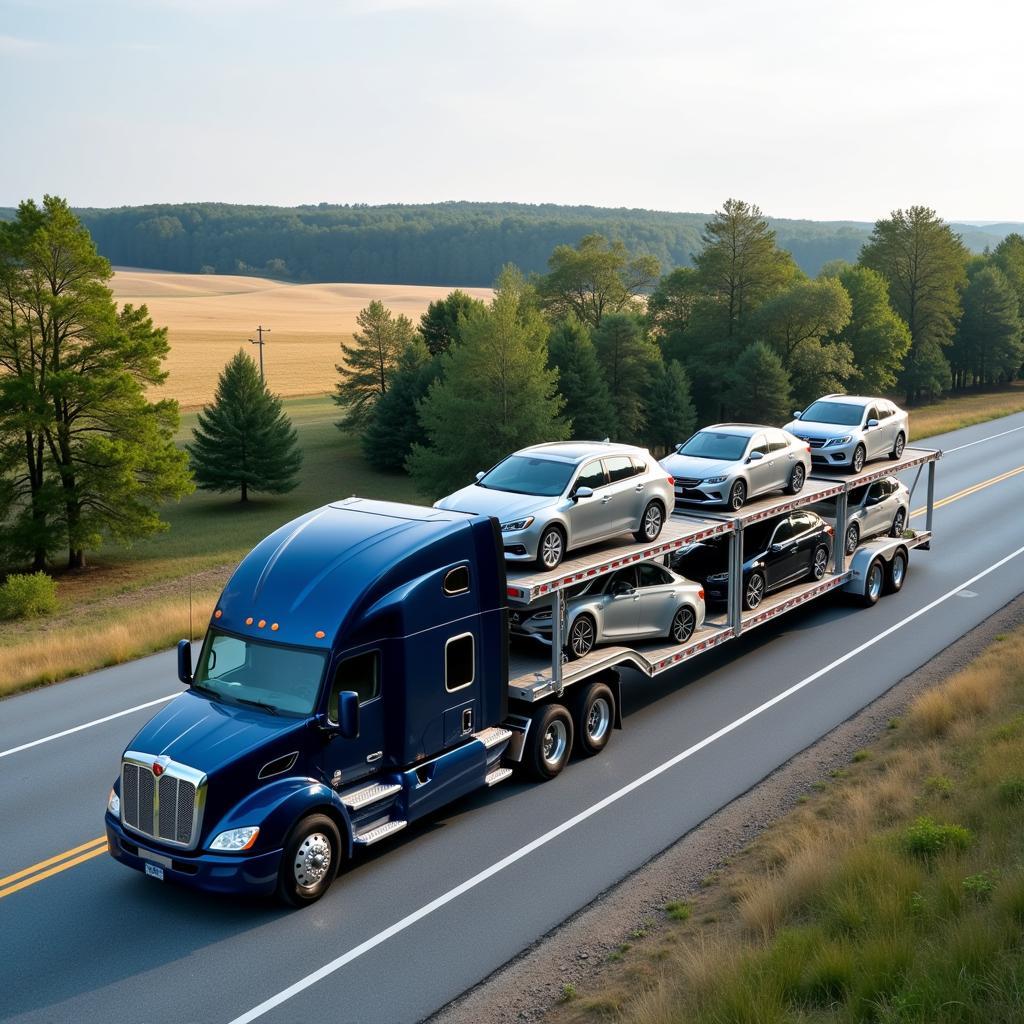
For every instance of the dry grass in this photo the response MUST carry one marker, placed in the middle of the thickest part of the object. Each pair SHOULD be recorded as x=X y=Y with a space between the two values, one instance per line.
x=965 y=411
x=210 y=316
x=136 y=631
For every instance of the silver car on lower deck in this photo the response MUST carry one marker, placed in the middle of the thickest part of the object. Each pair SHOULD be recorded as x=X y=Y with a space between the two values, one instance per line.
x=554 y=497
x=877 y=509
x=640 y=602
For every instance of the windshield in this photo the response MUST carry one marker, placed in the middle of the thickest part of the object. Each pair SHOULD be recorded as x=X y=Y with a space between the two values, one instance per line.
x=711 y=444
x=267 y=675
x=527 y=474
x=842 y=413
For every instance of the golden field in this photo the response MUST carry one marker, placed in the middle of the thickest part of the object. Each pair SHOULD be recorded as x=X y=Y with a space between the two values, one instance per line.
x=211 y=316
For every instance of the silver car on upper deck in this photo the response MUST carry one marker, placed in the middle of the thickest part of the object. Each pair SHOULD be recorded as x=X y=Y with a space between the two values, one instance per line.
x=845 y=431
x=730 y=462
x=554 y=497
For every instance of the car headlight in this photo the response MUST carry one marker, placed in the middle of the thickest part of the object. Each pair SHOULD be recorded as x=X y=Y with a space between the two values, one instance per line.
x=719 y=577
x=235 y=839
x=714 y=480
x=114 y=803
x=516 y=524
x=833 y=441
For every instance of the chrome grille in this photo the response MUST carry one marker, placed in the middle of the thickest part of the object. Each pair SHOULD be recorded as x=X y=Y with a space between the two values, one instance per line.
x=168 y=807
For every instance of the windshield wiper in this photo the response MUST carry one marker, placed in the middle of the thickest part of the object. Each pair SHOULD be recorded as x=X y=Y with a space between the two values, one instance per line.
x=258 y=704
x=207 y=689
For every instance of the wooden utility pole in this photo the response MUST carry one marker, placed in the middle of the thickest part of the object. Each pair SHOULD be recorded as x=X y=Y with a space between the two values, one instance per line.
x=261 y=330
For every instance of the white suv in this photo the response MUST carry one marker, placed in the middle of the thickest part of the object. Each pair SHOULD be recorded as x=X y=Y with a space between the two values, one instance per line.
x=848 y=430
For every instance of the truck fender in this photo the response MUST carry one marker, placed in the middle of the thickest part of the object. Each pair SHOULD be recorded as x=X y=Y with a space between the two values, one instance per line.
x=276 y=807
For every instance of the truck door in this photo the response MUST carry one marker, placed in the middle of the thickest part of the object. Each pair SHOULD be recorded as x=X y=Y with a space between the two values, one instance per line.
x=357 y=757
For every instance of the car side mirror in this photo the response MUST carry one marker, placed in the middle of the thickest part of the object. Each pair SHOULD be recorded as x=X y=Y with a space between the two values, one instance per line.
x=480 y=475
x=797 y=414
x=775 y=549
x=622 y=590
x=679 y=447
x=185 y=661
x=583 y=492
x=872 y=423
x=755 y=457
x=348 y=714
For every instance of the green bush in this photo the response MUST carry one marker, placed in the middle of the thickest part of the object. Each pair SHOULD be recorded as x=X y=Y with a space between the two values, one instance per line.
x=927 y=839
x=980 y=886
x=1011 y=790
x=25 y=595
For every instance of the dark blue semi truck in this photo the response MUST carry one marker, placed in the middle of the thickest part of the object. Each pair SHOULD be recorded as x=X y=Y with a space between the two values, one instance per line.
x=356 y=676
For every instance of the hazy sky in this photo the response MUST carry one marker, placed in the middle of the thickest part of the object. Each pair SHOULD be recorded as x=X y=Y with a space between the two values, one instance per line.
x=811 y=109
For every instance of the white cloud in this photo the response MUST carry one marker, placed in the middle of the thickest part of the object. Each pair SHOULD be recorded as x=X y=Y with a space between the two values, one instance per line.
x=11 y=45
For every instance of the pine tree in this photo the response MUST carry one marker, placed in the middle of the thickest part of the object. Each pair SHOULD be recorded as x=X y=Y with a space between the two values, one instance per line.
x=759 y=390
x=987 y=348
x=495 y=394
x=395 y=425
x=588 y=403
x=671 y=417
x=244 y=440
x=439 y=325
x=629 y=359
x=369 y=362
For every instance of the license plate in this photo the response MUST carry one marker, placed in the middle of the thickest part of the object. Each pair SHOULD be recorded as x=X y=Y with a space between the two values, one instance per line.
x=155 y=871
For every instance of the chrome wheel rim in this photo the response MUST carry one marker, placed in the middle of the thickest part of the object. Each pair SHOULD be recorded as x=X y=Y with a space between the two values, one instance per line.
x=798 y=479
x=737 y=496
x=852 y=536
x=551 y=548
x=820 y=563
x=897 y=524
x=899 y=568
x=652 y=521
x=312 y=860
x=858 y=460
x=875 y=582
x=555 y=741
x=581 y=638
x=682 y=625
x=599 y=718
x=755 y=591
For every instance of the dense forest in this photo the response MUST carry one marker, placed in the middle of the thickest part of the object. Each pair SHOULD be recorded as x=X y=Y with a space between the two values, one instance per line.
x=442 y=243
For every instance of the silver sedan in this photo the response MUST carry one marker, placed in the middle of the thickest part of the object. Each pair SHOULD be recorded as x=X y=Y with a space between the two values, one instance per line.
x=731 y=462
x=872 y=510
x=641 y=602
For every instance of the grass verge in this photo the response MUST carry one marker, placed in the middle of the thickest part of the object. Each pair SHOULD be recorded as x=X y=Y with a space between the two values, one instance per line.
x=895 y=895
x=965 y=411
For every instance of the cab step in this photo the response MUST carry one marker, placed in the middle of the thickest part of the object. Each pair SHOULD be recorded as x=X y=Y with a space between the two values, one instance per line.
x=375 y=835
x=496 y=775
x=492 y=736
x=356 y=799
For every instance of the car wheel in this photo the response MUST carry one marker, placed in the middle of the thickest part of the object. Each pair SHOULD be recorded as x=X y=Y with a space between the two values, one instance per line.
x=582 y=636
x=896 y=573
x=797 y=479
x=899 y=523
x=551 y=548
x=753 y=591
x=684 y=622
x=874 y=580
x=309 y=862
x=819 y=564
x=651 y=523
x=737 y=495
x=548 y=742
x=897 y=449
x=859 y=458
x=593 y=716
x=852 y=538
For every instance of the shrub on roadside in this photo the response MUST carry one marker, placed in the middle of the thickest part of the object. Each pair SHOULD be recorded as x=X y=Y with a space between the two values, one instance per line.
x=926 y=838
x=25 y=595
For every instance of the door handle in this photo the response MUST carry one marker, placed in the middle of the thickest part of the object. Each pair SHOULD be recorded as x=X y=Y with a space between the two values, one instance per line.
x=640 y=487
x=606 y=499
x=376 y=756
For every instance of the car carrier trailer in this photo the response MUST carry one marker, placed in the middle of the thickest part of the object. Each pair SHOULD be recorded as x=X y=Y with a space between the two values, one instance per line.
x=356 y=676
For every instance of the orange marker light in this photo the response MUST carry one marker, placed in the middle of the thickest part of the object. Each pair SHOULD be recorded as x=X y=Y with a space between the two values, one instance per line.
x=217 y=614
x=319 y=634
x=261 y=623
x=274 y=627
x=248 y=621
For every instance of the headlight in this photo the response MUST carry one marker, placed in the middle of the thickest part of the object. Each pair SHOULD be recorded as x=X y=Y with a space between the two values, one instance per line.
x=516 y=524
x=236 y=839
x=719 y=577
x=114 y=803
x=833 y=441
x=714 y=480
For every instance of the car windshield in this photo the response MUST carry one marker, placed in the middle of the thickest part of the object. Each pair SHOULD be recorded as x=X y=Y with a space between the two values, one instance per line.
x=842 y=413
x=270 y=676
x=713 y=444
x=529 y=474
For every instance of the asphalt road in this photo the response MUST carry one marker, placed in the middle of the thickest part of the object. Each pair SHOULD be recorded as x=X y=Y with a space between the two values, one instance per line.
x=417 y=921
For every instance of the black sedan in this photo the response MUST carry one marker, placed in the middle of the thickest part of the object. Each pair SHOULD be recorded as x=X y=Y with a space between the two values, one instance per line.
x=776 y=553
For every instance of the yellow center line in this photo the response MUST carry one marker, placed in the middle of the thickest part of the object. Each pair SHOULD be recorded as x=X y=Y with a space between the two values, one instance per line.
x=973 y=489
x=51 y=866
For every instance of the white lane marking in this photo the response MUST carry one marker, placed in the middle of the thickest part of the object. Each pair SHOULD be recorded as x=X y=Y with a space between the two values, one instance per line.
x=88 y=725
x=471 y=883
x=971 y=444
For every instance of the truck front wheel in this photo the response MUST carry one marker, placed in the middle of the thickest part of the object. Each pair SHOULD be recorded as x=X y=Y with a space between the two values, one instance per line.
x=310 y=861
x=548 y=743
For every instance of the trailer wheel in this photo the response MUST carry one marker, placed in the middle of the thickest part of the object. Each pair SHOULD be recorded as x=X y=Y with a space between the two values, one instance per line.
x=548 y=743
x=309 y=862
x=874 y=580
x=593 y=715
x=896 y=573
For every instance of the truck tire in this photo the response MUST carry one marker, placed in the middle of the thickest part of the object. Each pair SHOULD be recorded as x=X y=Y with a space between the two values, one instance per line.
x=593 y=716
x=548 y=743
x=874 y=582
x=896 y=573
x=309 y=862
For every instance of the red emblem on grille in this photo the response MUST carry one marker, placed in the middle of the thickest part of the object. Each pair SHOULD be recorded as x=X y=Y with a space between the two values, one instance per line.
x=158 y=769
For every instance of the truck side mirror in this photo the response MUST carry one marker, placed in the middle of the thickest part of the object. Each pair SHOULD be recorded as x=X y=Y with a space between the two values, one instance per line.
x=185 y=661
x=348 y=714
